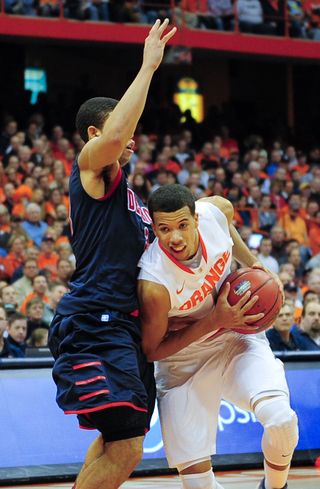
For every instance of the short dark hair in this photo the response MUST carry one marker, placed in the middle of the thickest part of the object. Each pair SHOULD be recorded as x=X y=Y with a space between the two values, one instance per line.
x=32 y=302
x=305 y=295
x=94 y=112
x=16 y=316
x=304 y=309
x=171 y=198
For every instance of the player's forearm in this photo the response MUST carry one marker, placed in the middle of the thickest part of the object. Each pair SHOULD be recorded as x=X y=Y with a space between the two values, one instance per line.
x=240 y=251
x=121 y=124
x=123 y=120
x=175 y=341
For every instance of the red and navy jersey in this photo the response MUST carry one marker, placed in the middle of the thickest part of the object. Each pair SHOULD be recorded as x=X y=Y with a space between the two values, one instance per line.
x=108 y=237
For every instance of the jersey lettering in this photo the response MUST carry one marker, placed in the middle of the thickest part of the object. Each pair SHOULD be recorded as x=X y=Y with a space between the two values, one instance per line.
x=209 y=283
x=146 y=238
x=134 y=206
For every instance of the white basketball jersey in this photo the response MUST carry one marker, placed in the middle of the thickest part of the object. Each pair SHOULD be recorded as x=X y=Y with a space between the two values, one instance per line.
x=192 y=290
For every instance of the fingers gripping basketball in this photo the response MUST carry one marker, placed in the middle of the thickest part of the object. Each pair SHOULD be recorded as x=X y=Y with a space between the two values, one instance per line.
x=258 y=282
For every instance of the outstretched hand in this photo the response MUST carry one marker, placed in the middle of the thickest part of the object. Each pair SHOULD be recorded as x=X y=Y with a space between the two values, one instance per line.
x=154 y=44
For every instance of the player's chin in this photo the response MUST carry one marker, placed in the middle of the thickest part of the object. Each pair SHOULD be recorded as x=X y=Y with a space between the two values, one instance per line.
x=125 y=157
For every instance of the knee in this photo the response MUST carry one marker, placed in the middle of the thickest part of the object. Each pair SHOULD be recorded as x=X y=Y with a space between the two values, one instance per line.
x=134 y=449
x=280 y=424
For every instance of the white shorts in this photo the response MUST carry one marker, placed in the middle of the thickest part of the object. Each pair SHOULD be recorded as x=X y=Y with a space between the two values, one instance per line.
x=192 y=382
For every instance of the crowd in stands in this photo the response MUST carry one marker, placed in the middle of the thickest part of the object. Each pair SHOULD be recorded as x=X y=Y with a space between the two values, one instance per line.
x=266 y=17
x=274 y=188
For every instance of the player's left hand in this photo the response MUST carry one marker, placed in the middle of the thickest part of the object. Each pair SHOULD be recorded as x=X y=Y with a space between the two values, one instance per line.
x=274 y=275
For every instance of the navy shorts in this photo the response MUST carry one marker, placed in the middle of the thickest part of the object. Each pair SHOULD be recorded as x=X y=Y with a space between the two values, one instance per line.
x=102 y=374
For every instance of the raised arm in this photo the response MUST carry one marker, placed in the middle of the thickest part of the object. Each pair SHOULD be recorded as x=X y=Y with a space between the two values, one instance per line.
x=119 y=128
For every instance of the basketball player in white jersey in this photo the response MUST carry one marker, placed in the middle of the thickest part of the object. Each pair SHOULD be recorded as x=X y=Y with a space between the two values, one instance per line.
x=201 y=359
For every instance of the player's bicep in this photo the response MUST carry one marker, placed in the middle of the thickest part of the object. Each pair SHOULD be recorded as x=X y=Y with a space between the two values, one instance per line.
x=154 y=302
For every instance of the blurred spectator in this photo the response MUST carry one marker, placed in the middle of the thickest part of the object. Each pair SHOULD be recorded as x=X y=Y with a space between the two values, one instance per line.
x=264 y=255
x=39 y=338
x=7 y=349
x=16 y=256
x=313 y=284
x=245 y=233
x=10 y=128
x=309 y=332
x=219 y=15
x=186 y=166
x=206 y=156
x=223 y=12
x=189 y=10
x=80 y=10
x=310 y=296
x=294 y=225
x=12 y=150
x=280 y=336
x=40 y=289
x=57 y=291
x=48 y=258
x=17 y=331
x=34 y=311
x=250 y=15
x=20 y=7
x=301 y=166
x=312 y=11
x=34 y=227
x=157 y=9
x=141 y=187
x=291 y=292
x=288 y=268
x=267 y=214
x=64 y=272
x=23 y=286
x=48 y=8
x=277 y=235
x=296 y=261
x=297 y=27
x=32 y=252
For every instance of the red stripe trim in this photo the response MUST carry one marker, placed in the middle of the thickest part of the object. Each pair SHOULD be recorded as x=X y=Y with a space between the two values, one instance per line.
x=114 y=186
x=86 y=428
x=87 y=396
x=135 y=313
x=105 y=406
x=93 y=379
x=83 y=365
x=203 y=246
x=176 y=262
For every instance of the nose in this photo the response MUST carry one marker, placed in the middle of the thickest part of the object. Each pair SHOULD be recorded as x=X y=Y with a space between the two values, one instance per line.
x=175 y=237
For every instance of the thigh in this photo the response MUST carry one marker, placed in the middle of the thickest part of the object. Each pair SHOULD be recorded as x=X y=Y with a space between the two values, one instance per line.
x=252 y=369
x=189 y=394
x=100 y=366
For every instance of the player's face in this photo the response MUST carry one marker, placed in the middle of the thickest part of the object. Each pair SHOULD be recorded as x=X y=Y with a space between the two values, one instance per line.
x=127 y=152
x=177 y=232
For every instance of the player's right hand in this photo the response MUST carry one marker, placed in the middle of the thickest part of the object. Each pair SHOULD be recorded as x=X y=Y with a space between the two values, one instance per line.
x=154 y=45
x=234 y=317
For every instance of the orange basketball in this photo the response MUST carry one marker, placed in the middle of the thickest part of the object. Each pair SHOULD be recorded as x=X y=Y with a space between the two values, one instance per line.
x=261 y=284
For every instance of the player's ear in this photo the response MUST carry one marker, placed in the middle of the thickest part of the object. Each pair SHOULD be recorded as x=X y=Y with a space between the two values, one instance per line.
x=93 y=132
x=196 y=219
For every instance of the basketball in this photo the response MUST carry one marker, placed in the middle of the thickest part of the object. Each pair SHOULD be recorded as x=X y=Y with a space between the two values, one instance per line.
x=258 y=283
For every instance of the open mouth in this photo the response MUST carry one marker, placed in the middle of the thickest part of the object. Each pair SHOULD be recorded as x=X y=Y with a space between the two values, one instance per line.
x=178 y=250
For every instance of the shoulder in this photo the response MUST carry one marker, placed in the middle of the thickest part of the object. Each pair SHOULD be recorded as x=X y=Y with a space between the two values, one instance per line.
x=219 y=205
